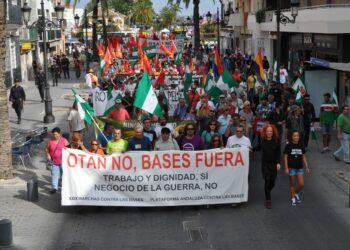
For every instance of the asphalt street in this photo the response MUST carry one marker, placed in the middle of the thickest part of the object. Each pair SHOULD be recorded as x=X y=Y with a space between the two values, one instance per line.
x=322 y=221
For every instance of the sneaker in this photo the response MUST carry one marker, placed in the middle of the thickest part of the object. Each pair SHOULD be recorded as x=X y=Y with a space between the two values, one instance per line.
x=336 y=157
x=324 y=150
x=268 y=204
x=294 y=203
x=53 y=191
x=297 y=198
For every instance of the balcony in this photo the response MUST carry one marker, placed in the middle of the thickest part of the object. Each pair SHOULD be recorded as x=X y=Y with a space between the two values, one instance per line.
x=14 y=15
x=324 y=19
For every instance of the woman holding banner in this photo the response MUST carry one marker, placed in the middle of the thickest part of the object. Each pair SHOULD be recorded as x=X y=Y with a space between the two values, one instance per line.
x=271 y=157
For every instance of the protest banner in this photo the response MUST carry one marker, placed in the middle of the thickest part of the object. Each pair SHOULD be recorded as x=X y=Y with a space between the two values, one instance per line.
x=163 y=178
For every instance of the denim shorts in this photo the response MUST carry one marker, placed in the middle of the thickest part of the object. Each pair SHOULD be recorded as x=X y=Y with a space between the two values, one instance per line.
x=327 y=129
x=296 y=171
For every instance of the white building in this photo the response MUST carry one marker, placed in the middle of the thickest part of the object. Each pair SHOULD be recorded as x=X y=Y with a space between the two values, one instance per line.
x=321 y=30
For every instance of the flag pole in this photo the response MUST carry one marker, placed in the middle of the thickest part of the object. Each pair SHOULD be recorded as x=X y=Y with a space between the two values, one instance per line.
x=95 y=123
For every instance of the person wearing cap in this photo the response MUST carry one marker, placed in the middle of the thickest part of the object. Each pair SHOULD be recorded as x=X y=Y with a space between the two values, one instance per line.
x=166 y=142
x=119 y=113
x=295 y=122
x=17 y=97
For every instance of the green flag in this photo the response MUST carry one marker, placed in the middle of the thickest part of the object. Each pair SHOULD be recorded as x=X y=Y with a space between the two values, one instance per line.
x=145 y=97
x=214 y=93
x=299 y=97
x=227 y=79
x=178 y=58
x=85 y=111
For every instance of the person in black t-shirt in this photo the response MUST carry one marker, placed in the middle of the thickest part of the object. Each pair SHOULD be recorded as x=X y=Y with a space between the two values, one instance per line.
x=271 y=157
x=294 y=161
x=148 y=132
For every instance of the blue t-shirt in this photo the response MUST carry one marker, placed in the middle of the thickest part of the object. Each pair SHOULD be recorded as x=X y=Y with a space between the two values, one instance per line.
x=143 y=144
x=102 y=140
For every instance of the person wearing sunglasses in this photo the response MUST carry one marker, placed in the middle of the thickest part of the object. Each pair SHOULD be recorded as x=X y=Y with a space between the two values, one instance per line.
x=215 y=142
x=95 y=148
x=224 y=120
x=189 y=141
x=210 y=132
x=238 y=140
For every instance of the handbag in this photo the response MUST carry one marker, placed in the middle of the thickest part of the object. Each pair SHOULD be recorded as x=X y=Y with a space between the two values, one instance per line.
x=50 y=162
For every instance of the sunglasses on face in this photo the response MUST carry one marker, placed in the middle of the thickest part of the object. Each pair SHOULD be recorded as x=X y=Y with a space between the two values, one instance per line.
x=94 y=144
x=216 y=140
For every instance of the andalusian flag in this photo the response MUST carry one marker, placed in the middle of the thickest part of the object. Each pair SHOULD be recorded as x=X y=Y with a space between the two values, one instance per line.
x=335 y=98
x=300 y=85
x=85 y=111
x=178 y=58
x=299 y=97
x=145 y=97
x=111 y=97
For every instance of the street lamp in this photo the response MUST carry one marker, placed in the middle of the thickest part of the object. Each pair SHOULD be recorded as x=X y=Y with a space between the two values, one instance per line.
x=41 y=25
x=76 y=20
x=281 y=18
x=209 y=16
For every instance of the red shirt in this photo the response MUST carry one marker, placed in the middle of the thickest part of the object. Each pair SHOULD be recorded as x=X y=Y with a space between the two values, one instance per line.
x=119 y=114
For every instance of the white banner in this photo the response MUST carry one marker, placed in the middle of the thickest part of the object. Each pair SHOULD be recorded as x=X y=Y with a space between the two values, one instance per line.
x=168 y=178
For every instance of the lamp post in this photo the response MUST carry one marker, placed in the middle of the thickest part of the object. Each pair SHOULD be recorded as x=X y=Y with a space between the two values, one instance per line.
x=41 y=25
x=282 y=19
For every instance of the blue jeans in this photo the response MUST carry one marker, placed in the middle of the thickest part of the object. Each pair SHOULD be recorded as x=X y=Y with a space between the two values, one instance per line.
x=56 y=174
x=344 y=148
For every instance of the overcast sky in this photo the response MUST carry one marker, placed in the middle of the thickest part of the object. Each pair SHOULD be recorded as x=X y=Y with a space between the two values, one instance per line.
x=204 y=7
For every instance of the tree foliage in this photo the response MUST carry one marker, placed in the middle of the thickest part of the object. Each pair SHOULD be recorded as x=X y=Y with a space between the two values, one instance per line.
x=169 y=14
x=143 y=12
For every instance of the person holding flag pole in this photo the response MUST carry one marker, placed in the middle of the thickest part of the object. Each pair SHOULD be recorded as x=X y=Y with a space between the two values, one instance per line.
x=86 y=112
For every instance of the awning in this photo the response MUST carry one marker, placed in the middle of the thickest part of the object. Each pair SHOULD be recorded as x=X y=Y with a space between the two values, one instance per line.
x=331 y=65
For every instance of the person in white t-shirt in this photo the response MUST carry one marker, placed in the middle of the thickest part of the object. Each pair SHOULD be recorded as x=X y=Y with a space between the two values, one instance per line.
x=76 y=124
x=163 y=123
x=283 y=75
x=238 y=140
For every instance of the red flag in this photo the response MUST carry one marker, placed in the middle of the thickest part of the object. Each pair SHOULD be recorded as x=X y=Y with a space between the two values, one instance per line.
x=146 y=64
x=119 y=53
x=163 y=48
x=108 y=61
x=126 y=65
x=172 y=36
x=160 y=80
x=157 y=63
x=144 y=43
x=100 y=50
x=172 y=46
x=131 y=43
x=155 y=37
x=117 y=39
x=139 y=47
x=111 y=49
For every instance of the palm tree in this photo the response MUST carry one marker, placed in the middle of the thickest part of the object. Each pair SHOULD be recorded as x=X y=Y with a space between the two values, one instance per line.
x=168 y=14
x=143 y=12
x=195 y=19
x=6 y=171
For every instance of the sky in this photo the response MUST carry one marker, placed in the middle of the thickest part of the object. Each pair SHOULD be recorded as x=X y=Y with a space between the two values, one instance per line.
x=204 y=7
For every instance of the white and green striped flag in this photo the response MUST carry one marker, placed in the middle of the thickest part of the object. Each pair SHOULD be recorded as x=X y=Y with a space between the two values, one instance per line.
x=112 y=95
x=145 y=97
x=335 y=98
x=299 y=97
x=86 y=112
x=300 y=85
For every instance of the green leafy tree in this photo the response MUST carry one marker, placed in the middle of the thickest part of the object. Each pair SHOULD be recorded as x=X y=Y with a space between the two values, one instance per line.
x=143 y=12
x=169 y=14
x=121 y=6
